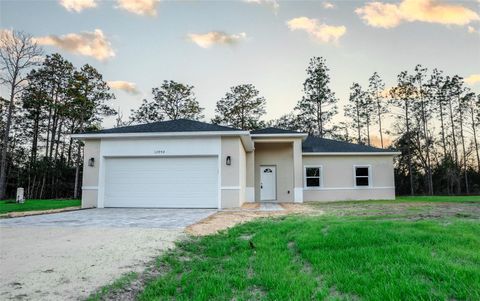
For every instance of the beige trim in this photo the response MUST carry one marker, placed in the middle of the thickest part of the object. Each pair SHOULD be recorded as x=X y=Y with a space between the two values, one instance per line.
x=230 y=187
x=279 y=135
x=162 y=134
x=298 y=195
x=244 y=136
x=90 y=187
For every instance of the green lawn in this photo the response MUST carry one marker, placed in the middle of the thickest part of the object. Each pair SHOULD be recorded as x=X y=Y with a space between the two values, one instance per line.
x=326 y=258
x=462 y=198
x=31 y=205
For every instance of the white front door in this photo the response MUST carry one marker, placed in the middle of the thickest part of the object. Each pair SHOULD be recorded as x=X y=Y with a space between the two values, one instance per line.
x=268 y=183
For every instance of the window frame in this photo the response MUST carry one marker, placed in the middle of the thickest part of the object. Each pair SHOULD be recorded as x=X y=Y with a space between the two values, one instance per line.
x=320 y=177
x=369 y=167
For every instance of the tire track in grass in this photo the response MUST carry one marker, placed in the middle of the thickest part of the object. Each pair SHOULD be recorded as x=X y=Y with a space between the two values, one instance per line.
x=322 y=292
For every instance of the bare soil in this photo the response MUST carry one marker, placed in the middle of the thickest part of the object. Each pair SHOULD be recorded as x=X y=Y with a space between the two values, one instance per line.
x=226 y=219
x=407 y=210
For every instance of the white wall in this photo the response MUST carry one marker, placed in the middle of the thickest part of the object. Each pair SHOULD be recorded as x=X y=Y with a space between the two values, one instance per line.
x=338 y=178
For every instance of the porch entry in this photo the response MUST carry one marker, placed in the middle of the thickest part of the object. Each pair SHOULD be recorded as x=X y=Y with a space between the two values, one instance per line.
x=268 y=183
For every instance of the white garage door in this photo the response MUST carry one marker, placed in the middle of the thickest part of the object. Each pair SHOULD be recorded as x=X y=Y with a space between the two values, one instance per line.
x=167 y=182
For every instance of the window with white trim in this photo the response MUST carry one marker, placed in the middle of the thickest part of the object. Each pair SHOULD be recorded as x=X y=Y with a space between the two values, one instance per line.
x=362 y=176
x=313 y=176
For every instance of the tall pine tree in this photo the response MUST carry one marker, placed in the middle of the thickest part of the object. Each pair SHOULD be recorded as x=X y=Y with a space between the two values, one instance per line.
x=319 y=104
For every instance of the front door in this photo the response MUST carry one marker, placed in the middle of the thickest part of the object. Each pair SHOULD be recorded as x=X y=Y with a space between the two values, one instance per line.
x=268 y=183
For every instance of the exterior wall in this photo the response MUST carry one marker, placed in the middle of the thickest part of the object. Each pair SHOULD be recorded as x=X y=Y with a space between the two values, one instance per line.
x=250 y=177
x=233 y=177
x=279 y=154
x=90 y=173
x=298 y=170
x=338 y=178
x=243 y=173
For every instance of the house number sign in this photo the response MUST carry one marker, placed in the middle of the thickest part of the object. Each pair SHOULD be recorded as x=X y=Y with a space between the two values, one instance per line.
x=159 y=152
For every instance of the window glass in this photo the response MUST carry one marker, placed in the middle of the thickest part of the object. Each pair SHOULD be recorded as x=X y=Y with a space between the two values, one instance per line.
x=362 y=181
x=312 y=176
x=362 y=171
x=313 y=171
x=313 y=182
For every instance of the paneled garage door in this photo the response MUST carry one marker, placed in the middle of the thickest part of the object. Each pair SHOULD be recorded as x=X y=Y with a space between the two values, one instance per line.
x=166 y=182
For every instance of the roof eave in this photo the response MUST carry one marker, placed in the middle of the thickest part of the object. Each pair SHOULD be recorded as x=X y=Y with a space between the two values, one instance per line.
x=286 y=135
x=351 y=153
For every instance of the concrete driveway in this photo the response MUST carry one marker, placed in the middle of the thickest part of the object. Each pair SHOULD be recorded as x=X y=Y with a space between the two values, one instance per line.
x=66 y=256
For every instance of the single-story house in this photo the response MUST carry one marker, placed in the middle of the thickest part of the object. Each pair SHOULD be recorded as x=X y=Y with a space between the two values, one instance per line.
x=191 y=164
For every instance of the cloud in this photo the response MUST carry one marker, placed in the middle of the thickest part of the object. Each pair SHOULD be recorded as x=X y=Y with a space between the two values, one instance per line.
x=139 y=7
x=124 y=86
x=77 y=5
x=273 y=4
x=93 y=44
x=387 y=15
x=319 y=31
x=215 y=37
x=473 y=79
x=328 y=5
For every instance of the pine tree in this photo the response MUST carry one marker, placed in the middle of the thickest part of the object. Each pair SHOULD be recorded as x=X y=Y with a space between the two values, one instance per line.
x=171 y=101
x=18 y=53
x=319 y=104
x=376 y=88
x=353 y=109
x=241 y=107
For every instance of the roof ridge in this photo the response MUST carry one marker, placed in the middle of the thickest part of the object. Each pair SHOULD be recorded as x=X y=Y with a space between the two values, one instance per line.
x=172 y=125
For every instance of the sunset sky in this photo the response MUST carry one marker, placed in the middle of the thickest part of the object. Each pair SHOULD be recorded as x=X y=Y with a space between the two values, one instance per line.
x=214 y=45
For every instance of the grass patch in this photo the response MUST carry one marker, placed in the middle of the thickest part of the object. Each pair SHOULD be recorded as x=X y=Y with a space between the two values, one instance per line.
x=461 y=198
x=332 y=258
x=408 y=199
x=117 y=285
x=32 y=205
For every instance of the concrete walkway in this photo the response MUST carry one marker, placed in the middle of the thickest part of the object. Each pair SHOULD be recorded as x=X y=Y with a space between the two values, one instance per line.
x=270 y=207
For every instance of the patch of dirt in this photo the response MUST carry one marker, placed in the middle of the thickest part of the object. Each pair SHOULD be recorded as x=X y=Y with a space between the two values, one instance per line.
x=38 y=212
x=337 y=295
x=410 y=210
x=131 y=290
x=228 y=218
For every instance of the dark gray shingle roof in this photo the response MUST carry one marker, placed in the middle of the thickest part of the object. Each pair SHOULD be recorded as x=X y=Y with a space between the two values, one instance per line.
x=179 y=125
x=272 y=130
x=315 y=144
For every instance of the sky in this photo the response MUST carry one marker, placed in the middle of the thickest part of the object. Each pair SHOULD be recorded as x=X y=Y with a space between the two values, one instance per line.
x=214 y=45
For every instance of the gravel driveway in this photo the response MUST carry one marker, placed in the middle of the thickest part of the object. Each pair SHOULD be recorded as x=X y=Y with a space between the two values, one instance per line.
x=66 y=256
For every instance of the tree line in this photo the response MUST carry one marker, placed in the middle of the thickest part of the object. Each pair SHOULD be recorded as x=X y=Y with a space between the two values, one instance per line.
x=50 y=98
x=431 y=117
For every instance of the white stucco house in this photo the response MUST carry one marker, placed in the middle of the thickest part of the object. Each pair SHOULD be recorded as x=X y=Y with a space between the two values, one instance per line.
x=191 y=164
